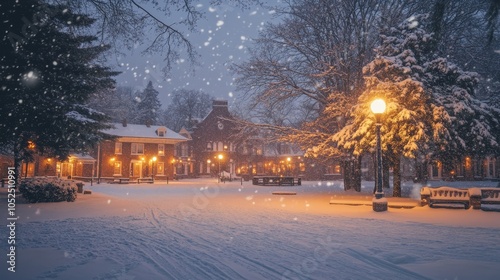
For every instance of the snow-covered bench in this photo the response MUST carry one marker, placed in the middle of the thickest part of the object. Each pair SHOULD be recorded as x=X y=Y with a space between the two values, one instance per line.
x=276 y=181
x=445 y=196
x=485 y=198
x=149 y=180
x=121 y=180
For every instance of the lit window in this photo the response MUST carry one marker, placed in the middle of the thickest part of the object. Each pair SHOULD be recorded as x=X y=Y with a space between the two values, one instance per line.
x=137 y=149
x=118 y=148
x=161 y=131
x=161 y=149
x=160 y=168
x=117 y=168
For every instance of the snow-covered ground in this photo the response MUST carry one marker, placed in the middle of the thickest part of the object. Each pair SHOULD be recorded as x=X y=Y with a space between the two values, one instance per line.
x=199 y=229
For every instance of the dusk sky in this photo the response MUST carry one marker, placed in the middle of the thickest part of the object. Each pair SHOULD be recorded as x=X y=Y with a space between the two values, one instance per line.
x=223 y=37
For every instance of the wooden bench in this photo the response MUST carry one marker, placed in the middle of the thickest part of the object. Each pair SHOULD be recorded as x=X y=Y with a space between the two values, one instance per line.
x=276 y=181
x=149 y=180
x=485 y=198
x=445 y=196
x=121 y=180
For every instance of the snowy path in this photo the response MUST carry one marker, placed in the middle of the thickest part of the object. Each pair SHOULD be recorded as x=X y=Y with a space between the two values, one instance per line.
x=230 y=233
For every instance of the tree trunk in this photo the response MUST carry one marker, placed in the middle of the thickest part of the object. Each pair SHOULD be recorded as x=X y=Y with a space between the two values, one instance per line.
x=352 y=174
x=396 y=192
x=357 y=174
x=421 y=171
x=347 y=175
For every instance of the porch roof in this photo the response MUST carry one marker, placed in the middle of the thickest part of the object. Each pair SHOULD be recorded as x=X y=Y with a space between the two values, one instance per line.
x=82 y=158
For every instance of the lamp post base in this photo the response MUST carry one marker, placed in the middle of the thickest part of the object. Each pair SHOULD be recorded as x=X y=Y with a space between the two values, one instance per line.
x=379 y=204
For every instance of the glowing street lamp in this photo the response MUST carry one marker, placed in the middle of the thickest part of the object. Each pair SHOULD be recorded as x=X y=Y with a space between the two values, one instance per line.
x=379 y=202
x=173 y=168
x=220 y=158
x=153 y=168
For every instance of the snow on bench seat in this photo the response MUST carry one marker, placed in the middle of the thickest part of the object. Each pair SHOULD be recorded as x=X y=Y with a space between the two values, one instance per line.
x=121 y=180
x=485 y=198
x=445 y=196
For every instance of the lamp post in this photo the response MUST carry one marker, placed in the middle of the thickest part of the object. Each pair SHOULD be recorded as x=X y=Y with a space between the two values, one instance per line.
x=288 y=159
x=379 y=202
x=153 y=168
x=218 y=175
x=173 y=169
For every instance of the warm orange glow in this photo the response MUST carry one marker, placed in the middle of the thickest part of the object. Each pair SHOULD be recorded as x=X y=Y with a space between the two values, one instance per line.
x=288 y=159
x=49 y=159
x=220 y=156
x=378 y=106
x=209 y=161
x=154 y=158
x=467 y=162
x=112 y=159
x=31 y=145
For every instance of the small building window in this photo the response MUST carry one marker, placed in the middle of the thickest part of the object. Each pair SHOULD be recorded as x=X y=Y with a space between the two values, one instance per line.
x=209 y=146
x=161 y=149
x=118 y=148
x=184 y=150
x=117 y=168
x=161 y=131
x=160 y=168
x=137 y=149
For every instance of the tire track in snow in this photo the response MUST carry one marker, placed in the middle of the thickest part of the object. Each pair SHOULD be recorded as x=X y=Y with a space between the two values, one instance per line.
x=380 y=264
x=250 y=264
x=225 y=261
x=190 y=252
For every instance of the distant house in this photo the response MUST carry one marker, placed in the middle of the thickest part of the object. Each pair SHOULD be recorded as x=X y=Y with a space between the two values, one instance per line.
x=139 y=151
x=467 y=168
x=76 y=166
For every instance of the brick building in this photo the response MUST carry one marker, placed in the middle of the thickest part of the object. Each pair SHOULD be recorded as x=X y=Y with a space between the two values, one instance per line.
x=139 y=151
x=213 y=147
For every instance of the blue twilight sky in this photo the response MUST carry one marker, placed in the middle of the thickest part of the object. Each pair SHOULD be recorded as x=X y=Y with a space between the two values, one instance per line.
x=222 y=38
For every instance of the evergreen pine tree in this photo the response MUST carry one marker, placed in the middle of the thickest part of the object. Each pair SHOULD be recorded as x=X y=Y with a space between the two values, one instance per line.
x=48 y=72
x=148 y=107
x=431 y=109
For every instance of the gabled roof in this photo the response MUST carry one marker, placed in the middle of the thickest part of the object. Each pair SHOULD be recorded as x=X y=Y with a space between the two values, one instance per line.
x=139 y=131
x=184 y=132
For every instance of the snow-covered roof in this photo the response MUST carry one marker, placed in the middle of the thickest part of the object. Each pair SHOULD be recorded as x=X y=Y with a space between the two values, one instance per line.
x=145 y=132
x=82 y=157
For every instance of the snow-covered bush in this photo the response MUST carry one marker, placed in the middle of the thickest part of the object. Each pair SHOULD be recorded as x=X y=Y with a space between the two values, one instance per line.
x=48 y=189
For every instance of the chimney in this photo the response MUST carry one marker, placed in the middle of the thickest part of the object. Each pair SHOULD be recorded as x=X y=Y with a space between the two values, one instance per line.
x=148 y=123
x=124 y=122
x=219 y=103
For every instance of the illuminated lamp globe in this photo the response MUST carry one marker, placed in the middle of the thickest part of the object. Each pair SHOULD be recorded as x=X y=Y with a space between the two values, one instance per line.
x=378 y=106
